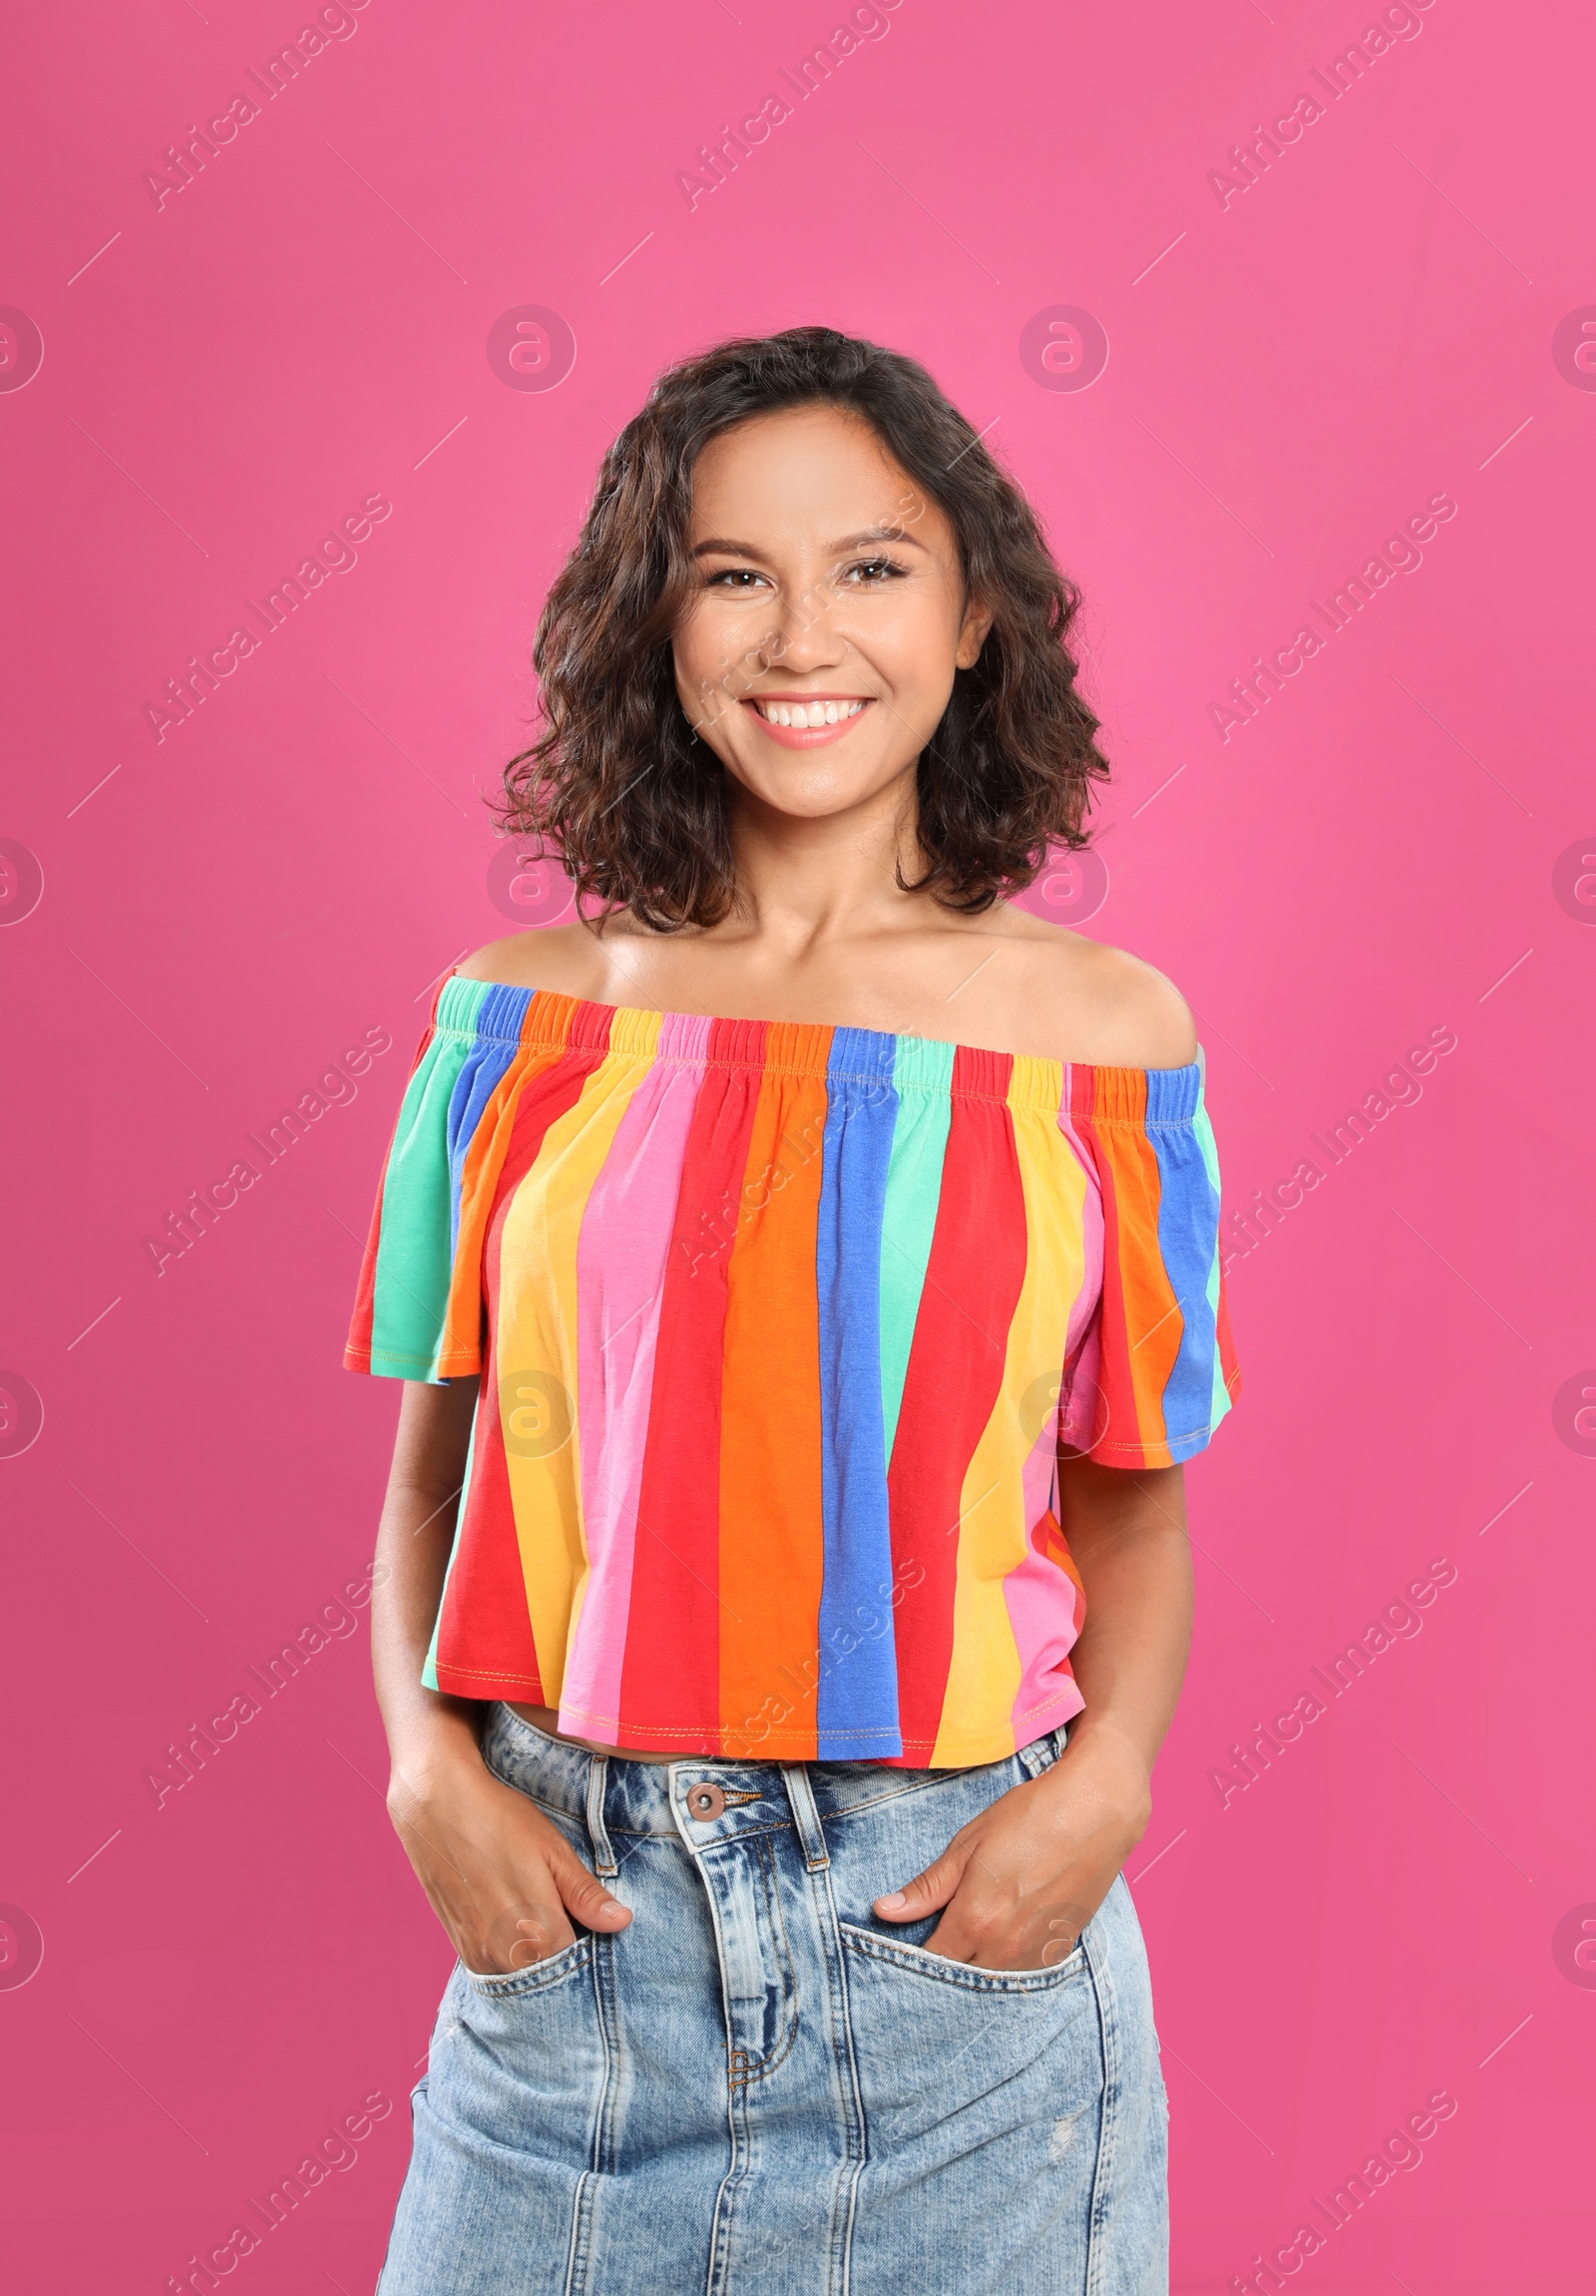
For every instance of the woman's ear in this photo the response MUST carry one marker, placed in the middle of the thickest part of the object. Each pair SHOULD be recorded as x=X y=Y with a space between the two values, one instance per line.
x=972 y=635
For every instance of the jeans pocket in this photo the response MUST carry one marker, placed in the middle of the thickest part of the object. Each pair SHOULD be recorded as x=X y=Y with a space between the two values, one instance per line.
x=517 y=2064
x=938 y=1969
x=537 y=1977
x=954 y=2056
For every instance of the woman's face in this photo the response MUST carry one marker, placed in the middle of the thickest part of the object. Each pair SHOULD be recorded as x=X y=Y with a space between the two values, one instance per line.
x=817 y=653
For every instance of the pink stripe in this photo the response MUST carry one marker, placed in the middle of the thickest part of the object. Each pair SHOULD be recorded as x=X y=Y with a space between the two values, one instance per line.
x=621 y=1276
x=1037 y=1475
x=1079 y=1427
x=1037 y=1589
x=1042 y=1605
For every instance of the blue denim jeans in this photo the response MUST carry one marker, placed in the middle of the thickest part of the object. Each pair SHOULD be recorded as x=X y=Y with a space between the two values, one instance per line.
x=760 y=2088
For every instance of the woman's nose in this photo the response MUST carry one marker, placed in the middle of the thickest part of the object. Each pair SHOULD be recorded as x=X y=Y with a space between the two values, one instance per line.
x=803 y=636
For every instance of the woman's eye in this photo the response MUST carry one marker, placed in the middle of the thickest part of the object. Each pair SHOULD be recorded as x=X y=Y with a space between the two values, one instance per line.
x=874 y=571
x=735 y=578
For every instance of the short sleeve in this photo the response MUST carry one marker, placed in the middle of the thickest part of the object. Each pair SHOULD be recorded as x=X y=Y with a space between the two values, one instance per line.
x=1154 y=1370
x=419 y=1311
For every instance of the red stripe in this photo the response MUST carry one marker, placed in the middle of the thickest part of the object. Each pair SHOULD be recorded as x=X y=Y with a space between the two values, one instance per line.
x=672 y=1679
x=1229 y=1369
x=547 y=1095
x=484 y=1641
x=956 y=1365
x=485 y=1644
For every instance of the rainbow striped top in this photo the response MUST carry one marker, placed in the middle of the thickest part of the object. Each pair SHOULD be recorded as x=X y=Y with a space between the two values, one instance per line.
x=780 y=1331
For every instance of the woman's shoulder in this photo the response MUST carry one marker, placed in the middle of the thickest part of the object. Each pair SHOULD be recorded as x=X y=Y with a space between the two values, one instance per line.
x=567 y=960
x=1097 y=1005
x=1056 y=993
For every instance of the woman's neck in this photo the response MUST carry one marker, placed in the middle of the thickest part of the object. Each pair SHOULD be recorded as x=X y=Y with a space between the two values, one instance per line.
x=801 y=883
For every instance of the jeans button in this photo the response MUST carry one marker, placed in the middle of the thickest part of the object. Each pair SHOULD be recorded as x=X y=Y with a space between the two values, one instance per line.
x=706 y=1801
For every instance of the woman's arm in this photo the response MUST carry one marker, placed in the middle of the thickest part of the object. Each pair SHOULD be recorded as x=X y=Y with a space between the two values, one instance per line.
x=501 y=1878
x=1018 y=1883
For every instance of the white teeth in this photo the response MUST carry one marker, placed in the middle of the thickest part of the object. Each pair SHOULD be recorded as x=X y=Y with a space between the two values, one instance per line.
x=812 y=713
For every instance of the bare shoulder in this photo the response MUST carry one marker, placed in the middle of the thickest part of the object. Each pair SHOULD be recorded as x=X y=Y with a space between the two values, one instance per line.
x=567 y=959
x=1100 y=1006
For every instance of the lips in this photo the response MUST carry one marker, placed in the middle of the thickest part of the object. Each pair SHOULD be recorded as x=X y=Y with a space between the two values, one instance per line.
x=805 y=721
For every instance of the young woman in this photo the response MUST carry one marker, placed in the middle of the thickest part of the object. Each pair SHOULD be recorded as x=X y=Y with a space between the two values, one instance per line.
x=804 y=1275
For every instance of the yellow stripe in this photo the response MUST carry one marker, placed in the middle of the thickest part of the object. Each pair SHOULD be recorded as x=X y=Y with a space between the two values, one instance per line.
x=537 y=1354
x=985 y=1668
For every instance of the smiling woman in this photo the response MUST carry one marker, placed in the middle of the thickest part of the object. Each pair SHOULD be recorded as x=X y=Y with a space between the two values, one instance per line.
x=992 y=712
x=790 y=1588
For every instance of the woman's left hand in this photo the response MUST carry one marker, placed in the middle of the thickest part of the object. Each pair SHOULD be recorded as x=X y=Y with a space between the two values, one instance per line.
x=1019 y=1884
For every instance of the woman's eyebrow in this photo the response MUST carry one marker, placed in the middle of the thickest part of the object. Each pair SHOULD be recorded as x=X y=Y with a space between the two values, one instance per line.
x=729 y=549
x=725 y=546
x=888 y=532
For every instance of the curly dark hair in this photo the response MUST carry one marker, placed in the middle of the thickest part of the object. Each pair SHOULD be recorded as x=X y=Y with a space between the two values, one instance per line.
x=617 y=785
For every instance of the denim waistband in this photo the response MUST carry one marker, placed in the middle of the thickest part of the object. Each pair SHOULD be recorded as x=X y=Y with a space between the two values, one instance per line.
x=610 y=1795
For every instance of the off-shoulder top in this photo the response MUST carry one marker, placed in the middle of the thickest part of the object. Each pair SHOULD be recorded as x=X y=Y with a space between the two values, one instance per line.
x=781 y=1331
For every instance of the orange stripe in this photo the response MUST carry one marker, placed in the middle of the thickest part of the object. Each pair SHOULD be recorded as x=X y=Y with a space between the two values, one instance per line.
x=772 y=1539
x=548 y=1020
x=1153 y=1324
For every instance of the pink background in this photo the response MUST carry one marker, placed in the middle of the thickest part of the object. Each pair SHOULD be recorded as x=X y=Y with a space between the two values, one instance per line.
x=1376 y=855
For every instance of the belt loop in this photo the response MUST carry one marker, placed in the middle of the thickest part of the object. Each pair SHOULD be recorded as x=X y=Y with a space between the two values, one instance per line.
x=1041 y=1753
x=805 y=1816
x=597 y=1833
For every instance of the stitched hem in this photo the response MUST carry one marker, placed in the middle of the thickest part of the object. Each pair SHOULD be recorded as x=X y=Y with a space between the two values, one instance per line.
x=1154 y=1454
x=467 y=1681
x=1050 y=1707
x=1047 y=1102
x=384 y=1363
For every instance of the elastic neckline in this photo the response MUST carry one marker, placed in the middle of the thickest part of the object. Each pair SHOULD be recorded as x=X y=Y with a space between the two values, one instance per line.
x=550 y=1021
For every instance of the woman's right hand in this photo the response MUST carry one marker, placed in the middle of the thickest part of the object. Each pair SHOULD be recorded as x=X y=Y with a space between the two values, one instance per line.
x=503 y=1880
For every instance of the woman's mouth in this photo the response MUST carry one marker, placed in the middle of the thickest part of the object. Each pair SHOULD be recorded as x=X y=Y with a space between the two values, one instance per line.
x=805 y=720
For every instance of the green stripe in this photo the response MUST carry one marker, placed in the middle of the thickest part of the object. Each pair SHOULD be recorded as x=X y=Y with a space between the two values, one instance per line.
x=922 y=1077
x=414 y=1259
x=459 y=1002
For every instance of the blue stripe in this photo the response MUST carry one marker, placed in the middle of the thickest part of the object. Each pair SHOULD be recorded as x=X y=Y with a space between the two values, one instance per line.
x=1188 y=1238
x=494 y=1046
x=857 y=1698
x=1220 y=1404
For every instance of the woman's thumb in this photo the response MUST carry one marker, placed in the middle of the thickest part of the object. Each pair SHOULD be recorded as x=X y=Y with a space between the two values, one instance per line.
x=583 y=1895
x=926 y=1893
